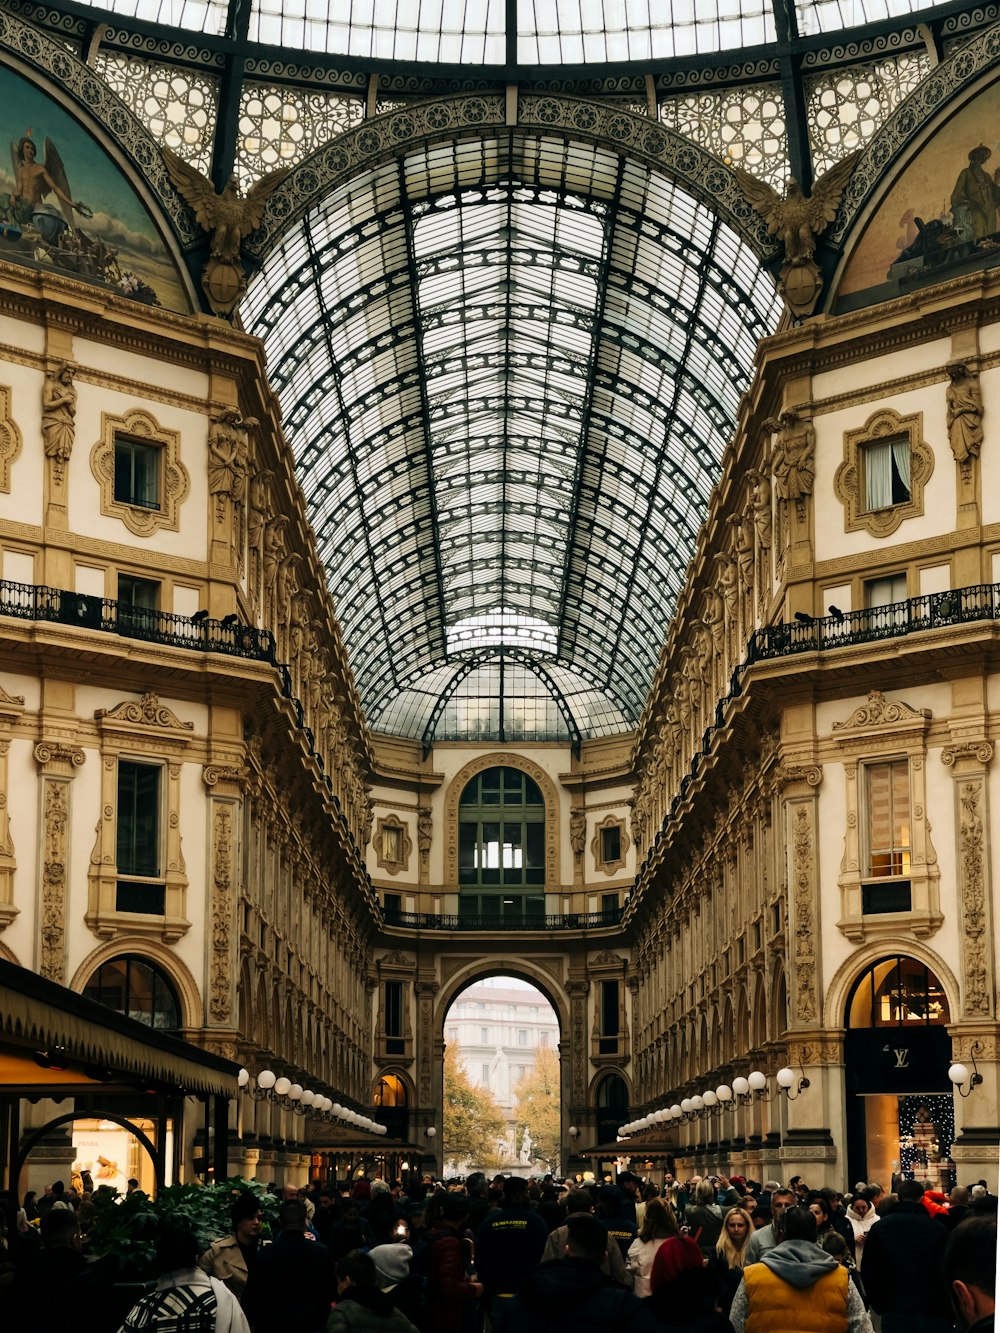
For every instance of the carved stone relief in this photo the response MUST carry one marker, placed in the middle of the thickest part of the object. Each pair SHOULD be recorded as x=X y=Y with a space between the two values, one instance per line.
x=10 y=439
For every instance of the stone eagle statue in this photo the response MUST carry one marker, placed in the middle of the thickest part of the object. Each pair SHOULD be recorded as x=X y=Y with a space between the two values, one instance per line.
x=228 y=217
x=798 y=221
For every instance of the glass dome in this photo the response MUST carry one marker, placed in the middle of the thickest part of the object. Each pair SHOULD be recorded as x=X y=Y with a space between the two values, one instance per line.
x=546 y=33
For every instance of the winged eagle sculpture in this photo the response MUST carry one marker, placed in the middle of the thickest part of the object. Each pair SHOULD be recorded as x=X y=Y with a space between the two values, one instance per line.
x=798 y=221
x=228 y=217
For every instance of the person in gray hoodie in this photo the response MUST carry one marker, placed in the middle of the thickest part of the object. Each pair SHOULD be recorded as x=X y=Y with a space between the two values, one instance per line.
x=795 y=1279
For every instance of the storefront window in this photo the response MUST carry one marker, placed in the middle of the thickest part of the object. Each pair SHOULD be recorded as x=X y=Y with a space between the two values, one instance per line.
x=901 y=1115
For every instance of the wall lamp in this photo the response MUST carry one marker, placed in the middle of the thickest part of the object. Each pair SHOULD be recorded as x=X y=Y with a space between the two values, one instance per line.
x=574 y=1133
x=786 y=1078
x=430 y=1132
x=289 y=1096
x=959 y=1073
x=714 y=1101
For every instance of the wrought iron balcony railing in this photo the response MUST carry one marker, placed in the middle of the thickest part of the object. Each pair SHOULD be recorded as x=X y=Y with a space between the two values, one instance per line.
x=29 y=601
x=477 y=921
x=805 y=634
x=842 y=629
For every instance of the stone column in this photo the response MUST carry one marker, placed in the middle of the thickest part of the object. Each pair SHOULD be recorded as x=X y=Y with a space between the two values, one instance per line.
x=57 y=764
x=225 y=792
x=975 y=1034
x=806 y=1141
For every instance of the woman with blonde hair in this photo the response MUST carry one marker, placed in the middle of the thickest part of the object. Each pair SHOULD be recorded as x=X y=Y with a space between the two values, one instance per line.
x=730 y=1253
x=658 y=1225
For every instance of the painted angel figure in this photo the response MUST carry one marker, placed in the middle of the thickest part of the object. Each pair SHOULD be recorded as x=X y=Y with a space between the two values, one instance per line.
x=797 y=220
x=228 y=215
x=35 y=181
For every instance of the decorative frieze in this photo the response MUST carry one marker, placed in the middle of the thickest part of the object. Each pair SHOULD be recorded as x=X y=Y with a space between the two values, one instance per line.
x=57 y=762
x=968 y=761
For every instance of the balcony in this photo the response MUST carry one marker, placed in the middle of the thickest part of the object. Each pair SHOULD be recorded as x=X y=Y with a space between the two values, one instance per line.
x=466 y=921
x=29 y=601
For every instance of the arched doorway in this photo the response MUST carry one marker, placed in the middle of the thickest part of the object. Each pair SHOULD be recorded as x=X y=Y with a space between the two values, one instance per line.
x=501 y=1073
x=900 y=1108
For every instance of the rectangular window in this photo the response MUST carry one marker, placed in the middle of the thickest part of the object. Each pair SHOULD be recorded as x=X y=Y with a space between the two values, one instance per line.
x=608 y=1040
x=888 y=787
x=611 y=843
x=392 y=904
x=885 y=591
x=484 y=1035
x=609 y=906
x=138 y=839
x=392 y=842
x=393 y=1008
x=137 y=472
x=138 y=819
x=138 y=604
x=484 y=1075
x=886 y=466
x=522 y=1037
x=543 y=1039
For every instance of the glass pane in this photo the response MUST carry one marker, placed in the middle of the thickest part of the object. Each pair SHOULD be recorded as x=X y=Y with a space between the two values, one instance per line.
x=535 y=845
x=138 y=819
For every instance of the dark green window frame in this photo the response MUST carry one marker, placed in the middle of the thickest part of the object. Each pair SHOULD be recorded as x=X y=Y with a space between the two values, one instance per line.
x=138 y=838
x=501 y=845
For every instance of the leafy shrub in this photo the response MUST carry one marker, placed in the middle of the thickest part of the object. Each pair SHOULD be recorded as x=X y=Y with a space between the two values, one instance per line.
x=124 y=1228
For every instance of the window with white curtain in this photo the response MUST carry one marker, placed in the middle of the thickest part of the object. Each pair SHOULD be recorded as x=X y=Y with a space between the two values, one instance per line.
x=886 y=473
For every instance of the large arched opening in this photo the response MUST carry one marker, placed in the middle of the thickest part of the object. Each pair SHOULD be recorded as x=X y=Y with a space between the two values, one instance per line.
x=501 y=1077
x=900 y=1107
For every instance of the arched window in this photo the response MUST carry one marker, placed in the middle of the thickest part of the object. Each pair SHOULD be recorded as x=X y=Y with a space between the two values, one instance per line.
x=390 y=1091
x=897 y=992
x=612 y=1093
x=501 y=846
x=137 y=988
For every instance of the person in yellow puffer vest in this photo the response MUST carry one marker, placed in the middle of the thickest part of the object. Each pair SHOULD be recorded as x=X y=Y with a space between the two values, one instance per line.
x=798 y=1288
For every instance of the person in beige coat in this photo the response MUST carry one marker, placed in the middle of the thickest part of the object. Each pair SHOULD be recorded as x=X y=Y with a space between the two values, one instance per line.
x=230 y=1258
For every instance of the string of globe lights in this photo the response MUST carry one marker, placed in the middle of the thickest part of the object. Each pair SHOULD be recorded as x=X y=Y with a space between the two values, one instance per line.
x=289 y=1096
x=743 y=1091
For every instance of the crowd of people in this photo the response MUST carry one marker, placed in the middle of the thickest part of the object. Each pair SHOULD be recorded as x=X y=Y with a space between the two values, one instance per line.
x=711 y=1255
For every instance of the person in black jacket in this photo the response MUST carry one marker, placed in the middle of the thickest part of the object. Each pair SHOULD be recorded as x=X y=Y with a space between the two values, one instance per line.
x=573 y=1293
x=970 y=1274
x=293 y=1282
x=901 y=1267
x=508 y=1245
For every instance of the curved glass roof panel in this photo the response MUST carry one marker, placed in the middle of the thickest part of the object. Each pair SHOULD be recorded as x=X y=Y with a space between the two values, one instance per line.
x=577 y=32
x=208 y=16
x=475 y=32
x=508 y=369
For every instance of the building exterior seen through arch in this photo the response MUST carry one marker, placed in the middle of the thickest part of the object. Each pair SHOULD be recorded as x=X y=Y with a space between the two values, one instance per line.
x=507 y=542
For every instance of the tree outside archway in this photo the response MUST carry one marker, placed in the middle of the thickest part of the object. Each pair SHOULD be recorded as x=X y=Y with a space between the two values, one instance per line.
x=474 y=1126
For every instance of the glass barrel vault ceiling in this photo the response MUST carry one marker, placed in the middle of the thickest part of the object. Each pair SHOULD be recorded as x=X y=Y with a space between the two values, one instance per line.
x=508 y=369
x=547 y=32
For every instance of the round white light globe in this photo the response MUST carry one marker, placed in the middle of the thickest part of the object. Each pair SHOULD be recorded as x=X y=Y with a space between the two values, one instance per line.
x=709 y=1097
x=958 y=1074
x=757 y=1081
x=687 y=1105
x=676 y=1111
x=243 y=1077
x=338 y=1110
x=295 y=1092
x=308 y=1097
x=697 y=1103
x=431 y=1132
x=741 y=1086
x=724 y=1092
x=282 y=1086
x=266 y=1079
x=785 y=1077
